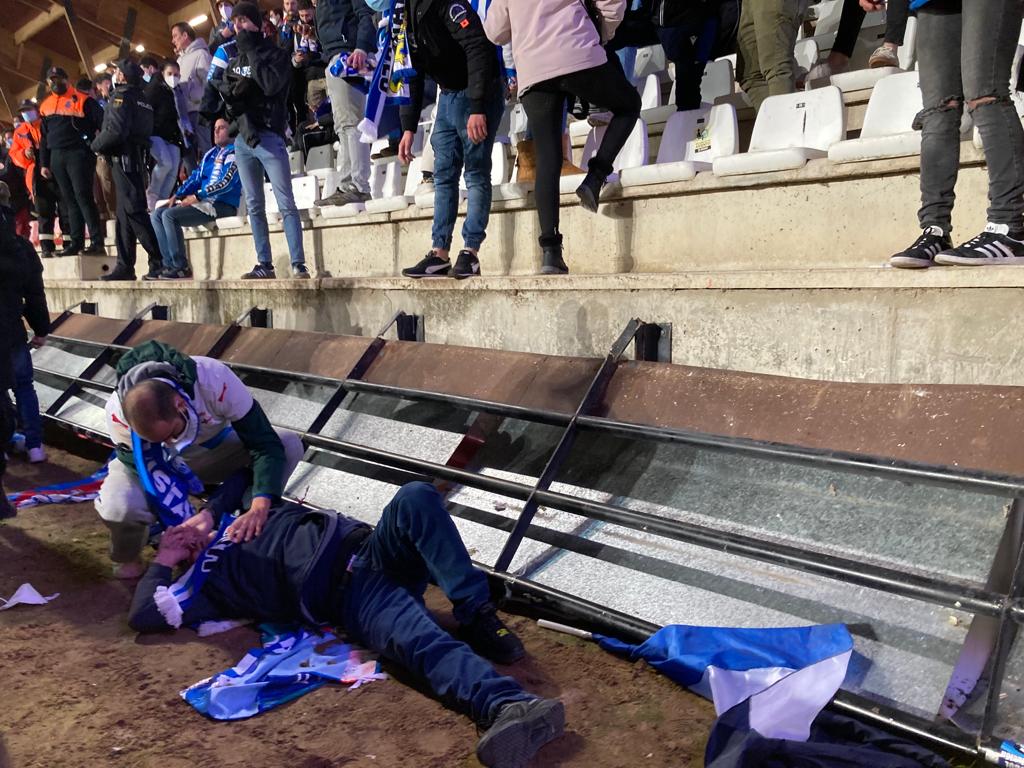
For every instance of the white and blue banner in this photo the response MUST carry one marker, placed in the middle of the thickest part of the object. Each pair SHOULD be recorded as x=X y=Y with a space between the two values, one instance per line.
x=783 y=677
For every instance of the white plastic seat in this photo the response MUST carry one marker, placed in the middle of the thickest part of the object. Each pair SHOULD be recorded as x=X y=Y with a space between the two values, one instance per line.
x=397 y=191
x=632 y=155
x=718 y=80
x=790 y=130
x=690 y=143
x=650 y=92
x=295 y=162
x=806 y=53
x=907 y=53
x=888 y=123
x=650 y=60
x=233 y=222
x=319 y=158
x=501 y=171
x=861 y=79
x=304 y=192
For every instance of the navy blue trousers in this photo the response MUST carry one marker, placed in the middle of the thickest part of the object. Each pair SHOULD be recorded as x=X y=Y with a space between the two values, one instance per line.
x=383 y=603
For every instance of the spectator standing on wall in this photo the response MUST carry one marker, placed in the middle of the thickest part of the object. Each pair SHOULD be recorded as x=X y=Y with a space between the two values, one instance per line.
x=45 y=193
x=348 y=35
x=558 y=52
x=255 y=91
x=194 y=61
x=765 y=63
x=448 y=43
x=966 y=52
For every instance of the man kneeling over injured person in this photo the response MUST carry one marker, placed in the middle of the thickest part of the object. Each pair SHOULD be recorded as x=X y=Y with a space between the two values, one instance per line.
x=196 y=407
x=319 y=567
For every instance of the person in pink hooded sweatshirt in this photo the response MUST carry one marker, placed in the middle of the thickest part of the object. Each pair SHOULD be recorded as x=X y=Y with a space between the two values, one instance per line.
x=557 y=46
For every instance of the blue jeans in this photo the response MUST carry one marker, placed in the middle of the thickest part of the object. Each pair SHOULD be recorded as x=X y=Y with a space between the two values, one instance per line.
x=25 y=395
x=168 y=223
x=452 y=151
x=269 y=155
x=383 y=603
x=167 y=158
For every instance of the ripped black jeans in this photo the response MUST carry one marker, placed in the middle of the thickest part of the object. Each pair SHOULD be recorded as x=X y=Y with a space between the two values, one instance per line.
x=966 y=52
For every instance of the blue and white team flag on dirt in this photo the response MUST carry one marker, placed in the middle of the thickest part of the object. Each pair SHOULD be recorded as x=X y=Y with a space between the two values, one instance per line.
x=291 y=663
x=783 y=677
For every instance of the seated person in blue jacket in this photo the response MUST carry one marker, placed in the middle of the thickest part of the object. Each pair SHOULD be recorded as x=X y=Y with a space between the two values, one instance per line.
x=319 y=567
x=211 y=192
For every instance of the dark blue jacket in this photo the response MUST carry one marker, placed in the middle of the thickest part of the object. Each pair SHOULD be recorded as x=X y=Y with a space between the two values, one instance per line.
x=344 y=25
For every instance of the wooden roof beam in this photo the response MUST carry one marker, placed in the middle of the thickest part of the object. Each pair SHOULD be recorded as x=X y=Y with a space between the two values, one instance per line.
x=34 y=26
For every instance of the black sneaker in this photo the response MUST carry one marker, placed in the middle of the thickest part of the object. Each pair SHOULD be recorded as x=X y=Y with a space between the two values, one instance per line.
x=993 y=246
x=47 y=253
x=552 y=263
x=430 y=265
x=300 y=271
x=95 y=249
x=466 y=265
x=70 y=249
x=487 y=635
x=119 y=272
x=261 y=272
x=344 y=196
x=153 y=274
x=924 y=250
x=520 y=729
x=175 y=274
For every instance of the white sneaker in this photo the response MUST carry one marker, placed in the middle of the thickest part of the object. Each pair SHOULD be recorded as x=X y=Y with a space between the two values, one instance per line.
x=129 y=571
x=36 y=455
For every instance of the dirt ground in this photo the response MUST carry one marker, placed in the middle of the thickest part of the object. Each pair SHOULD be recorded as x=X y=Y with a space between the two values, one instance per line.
x=79 y=688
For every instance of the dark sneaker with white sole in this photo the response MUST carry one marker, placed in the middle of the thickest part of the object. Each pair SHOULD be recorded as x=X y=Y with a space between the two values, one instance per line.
x=466 y=265
x=261 y=272
x=488 y=636
x=430 y=265
x=345 y=195
x=993 y=246
x=300 y=271
x=520 y=729
x=923 y=251
x=175 y=274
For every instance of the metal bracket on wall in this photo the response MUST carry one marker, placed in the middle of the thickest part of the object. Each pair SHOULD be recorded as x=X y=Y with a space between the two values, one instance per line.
x=227 y=338
x=654 y=343
x=409 y=327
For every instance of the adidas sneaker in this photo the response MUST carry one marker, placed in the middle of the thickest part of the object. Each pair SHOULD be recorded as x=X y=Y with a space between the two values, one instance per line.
x=924 y=250
x=993 y=246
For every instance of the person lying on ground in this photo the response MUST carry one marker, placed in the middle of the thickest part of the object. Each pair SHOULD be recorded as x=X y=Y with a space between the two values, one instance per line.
x=319 y=567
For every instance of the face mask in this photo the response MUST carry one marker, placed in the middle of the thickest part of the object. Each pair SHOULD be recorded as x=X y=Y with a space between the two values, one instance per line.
x=379 y=5
x=172 y=80
x=226 y=11
x=248 y=38
x=59 y=88
x=147 y=77
x=29 y=117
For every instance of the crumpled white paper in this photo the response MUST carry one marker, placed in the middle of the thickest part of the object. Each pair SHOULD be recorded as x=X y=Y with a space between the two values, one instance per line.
x=26 y=594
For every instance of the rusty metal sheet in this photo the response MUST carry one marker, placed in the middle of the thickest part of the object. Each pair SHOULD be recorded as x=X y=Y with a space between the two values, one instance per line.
x=300 y=351
x=190 y=338
x=975 y=427
x=515 y=378
x=102 y=330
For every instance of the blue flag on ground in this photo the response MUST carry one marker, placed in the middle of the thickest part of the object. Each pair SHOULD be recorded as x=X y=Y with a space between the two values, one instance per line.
x=782 y=676
x=291 y=663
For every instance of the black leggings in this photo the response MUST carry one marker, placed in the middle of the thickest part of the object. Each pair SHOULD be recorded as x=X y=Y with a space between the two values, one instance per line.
x=850 y=22
x=605 y=86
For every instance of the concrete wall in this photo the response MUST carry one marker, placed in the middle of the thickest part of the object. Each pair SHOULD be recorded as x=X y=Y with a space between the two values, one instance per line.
x=953 y=326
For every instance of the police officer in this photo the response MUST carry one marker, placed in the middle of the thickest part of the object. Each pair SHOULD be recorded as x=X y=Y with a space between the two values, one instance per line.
x=45 y=192
x=124 y=138
x=70 y=121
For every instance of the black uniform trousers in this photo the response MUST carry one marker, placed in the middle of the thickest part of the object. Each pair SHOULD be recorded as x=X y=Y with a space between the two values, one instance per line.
x=133 y=223
x=46 y=197
x=75 y=172
x=7 y=415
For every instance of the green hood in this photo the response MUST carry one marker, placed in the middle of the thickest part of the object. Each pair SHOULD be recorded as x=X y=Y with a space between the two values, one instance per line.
x=158 y=352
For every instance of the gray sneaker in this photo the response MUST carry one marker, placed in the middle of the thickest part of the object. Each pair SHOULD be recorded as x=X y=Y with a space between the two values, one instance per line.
x=519 y=730
x=300 y=271
x=345 y=195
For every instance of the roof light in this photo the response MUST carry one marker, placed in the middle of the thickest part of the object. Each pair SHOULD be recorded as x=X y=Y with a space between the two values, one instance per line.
x=200 y=19
x=140 y=48
x=102 y=67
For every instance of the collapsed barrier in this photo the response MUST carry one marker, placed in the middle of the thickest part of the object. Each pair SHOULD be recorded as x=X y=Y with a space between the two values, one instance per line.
x=627 y=495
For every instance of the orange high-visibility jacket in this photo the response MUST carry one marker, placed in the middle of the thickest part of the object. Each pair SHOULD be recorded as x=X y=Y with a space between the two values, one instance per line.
x=27 y=137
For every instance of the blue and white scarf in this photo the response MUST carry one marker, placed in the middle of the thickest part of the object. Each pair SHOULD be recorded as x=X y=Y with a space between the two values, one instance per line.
x=172 y=601
x=166 y=480
x=389 y=87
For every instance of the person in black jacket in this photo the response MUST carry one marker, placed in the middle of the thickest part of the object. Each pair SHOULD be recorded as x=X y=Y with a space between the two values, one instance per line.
x=347 y=32
x=166 y=142
x=21 y=296
x=316 y=567
x=255 y=91
x=127 y=126
x=447 y=42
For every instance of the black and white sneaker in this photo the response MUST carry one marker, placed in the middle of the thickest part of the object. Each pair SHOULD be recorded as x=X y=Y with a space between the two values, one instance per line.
x=345 y=195
x=300 y=271
x=924 y=250
x=993 y=246
x=519 y=731
x=175 y=274
x=261 y=272
x=466 y=265
x=430 y=265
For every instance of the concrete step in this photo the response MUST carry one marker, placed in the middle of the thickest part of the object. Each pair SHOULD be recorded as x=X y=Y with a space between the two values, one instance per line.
x=944 y=325
x=78 y=267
